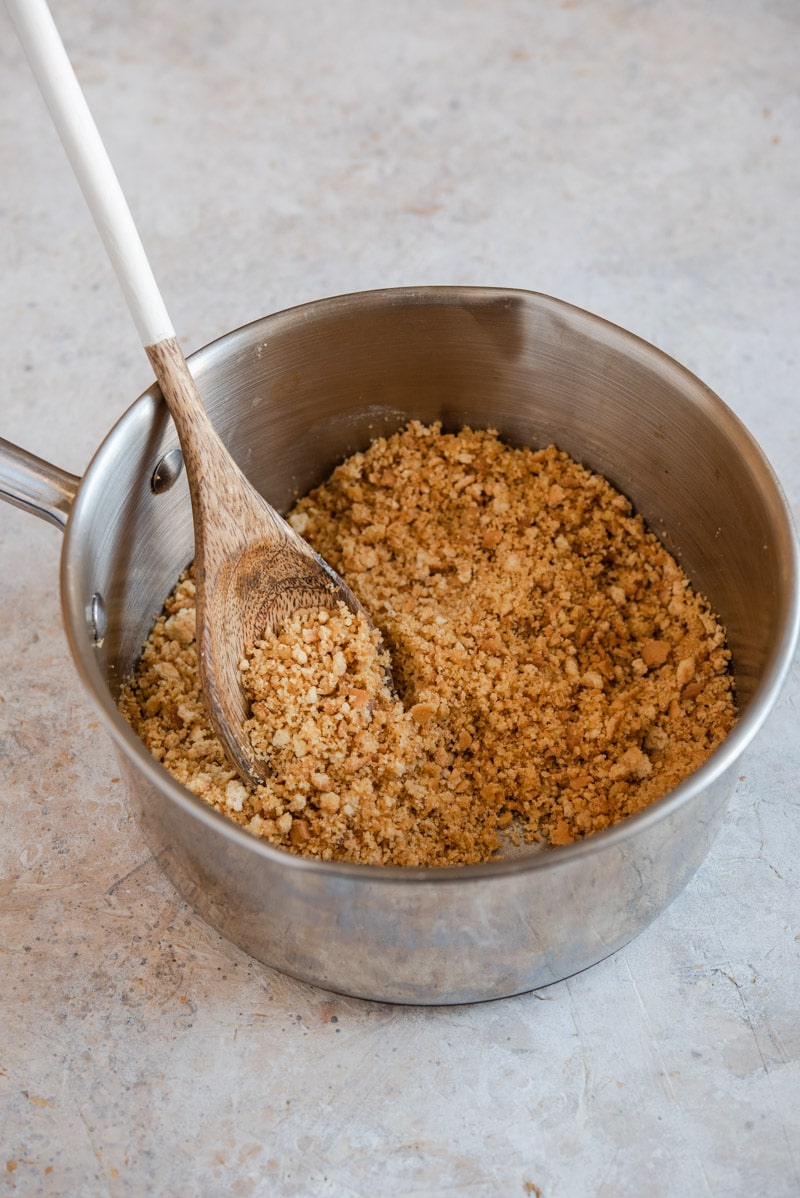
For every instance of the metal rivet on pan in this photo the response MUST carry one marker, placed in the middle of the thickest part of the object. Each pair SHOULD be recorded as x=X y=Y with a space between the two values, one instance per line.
x=166 y=472
x=97 y=618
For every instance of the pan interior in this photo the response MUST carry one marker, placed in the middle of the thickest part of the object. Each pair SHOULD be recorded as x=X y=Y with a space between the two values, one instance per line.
x=295 y=393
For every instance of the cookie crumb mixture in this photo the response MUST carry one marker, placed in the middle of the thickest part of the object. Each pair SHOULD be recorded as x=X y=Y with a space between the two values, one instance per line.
x=554 y=671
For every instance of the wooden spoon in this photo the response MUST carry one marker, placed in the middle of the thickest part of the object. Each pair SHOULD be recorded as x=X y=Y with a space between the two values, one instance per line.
x=252 y=570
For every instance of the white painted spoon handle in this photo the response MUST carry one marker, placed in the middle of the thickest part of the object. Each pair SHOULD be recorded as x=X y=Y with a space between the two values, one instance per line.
x=90 y=162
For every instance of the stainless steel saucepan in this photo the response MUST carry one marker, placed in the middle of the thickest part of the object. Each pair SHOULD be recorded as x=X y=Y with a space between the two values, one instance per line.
x=291 y=395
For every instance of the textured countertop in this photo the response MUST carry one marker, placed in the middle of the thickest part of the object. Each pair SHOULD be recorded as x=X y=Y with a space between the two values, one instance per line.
x=640 y=160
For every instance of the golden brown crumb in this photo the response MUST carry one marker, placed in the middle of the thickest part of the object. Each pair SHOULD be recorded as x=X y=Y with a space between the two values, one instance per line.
x=554 y=670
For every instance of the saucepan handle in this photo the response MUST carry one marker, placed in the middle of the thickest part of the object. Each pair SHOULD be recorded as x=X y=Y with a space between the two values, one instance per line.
x=36 y=485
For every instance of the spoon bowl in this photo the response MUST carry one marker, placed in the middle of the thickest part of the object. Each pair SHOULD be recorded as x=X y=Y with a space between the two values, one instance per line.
x=251 y=569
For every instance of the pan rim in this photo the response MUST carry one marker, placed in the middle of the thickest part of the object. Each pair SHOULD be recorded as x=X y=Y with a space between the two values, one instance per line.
x=760 y=705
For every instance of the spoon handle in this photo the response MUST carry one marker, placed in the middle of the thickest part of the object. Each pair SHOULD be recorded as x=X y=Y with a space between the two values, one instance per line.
x=98 y=180
x=218 y=488
x=92 y=167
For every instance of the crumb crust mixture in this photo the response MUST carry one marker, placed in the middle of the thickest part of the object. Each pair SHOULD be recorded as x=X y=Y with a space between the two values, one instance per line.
x=554 y=670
